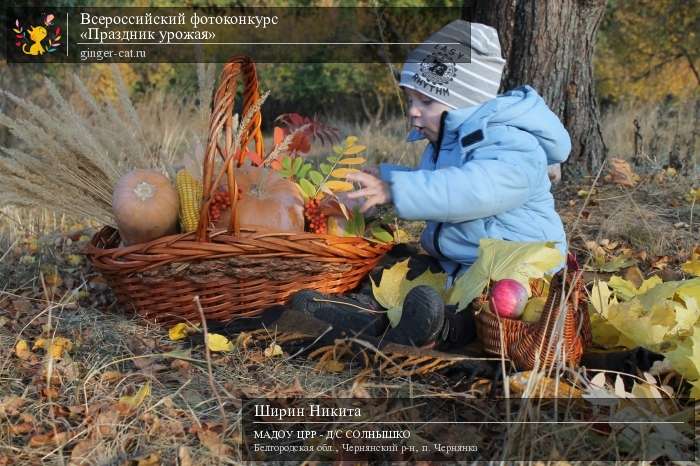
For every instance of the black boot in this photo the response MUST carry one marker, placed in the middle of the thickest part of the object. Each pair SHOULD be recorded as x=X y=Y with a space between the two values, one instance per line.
x=459 y=329
x=357 y=315
x=422 y=318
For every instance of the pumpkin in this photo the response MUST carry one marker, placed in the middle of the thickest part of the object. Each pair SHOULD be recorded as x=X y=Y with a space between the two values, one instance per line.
x=145 y=206
x=268 y=202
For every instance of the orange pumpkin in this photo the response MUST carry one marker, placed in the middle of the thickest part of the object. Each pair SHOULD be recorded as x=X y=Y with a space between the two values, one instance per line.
x=268 y=202
x=145 y=206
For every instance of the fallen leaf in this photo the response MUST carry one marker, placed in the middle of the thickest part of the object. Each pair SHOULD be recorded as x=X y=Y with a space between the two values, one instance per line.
x=111 y=376
x=621 y=173
x=213 y=442
x=81 y=452
x=273 y=350
x=54 y=346
x=183 y=453
x=53 y=439
x=22 y=428
x=216 y=343
x=330 y=365
x=151 y=460
x=180 y=331
x=22 y=350
x=660 y=263
x=692 y=266
x=130 y=403
x=107 y=422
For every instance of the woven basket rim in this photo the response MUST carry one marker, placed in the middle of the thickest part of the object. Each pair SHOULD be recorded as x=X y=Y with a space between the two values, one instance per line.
x=184 y=247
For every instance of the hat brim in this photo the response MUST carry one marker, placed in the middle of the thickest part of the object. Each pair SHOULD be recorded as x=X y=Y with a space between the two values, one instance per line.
x=437 y=99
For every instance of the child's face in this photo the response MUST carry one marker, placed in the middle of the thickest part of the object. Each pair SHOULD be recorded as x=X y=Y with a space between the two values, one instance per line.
x=424 y=113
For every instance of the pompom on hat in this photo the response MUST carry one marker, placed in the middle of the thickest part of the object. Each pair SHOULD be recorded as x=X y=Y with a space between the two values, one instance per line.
x=460 y=65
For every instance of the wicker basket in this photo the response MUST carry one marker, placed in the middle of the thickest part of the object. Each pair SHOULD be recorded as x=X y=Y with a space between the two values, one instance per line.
x=238 y=272
x=525 y=342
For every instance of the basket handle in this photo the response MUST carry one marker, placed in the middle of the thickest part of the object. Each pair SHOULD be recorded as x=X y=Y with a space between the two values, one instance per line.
x=221 y=123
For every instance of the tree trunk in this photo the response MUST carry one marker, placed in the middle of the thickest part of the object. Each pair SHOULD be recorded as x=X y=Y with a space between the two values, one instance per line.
x=549 y=44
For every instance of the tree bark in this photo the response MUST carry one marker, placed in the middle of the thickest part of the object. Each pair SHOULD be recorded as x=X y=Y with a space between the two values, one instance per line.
x=549 y=45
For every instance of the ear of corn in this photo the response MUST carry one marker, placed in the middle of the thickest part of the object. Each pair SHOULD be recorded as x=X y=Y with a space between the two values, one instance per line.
x=189 y=190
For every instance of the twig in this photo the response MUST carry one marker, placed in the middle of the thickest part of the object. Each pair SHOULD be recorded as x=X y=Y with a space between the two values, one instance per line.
x=208 y=356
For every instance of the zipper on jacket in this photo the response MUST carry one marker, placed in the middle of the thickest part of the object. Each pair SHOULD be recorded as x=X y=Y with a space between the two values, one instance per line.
x=436 y=154
x=441 y=131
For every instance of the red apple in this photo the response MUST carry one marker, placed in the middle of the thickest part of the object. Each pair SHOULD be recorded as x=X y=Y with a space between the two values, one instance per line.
x=508 y=298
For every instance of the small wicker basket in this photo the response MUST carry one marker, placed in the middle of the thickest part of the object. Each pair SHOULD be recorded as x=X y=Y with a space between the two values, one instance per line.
x=525 y=343
x=238 y=272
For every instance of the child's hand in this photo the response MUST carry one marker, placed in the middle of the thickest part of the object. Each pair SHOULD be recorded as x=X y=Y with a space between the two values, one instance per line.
x=374 y=190
x=554 y=172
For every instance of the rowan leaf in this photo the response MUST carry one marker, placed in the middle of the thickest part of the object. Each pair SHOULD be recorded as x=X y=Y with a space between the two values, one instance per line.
x=343 y=172
x=500 y=259
x=353 y=150
x=338 y=186
x=307 y=188
x=218 y=343
x=353 y=160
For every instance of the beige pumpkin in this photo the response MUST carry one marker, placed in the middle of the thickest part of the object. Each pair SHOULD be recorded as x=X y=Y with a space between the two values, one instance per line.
x=268 y=202
x=145 y=206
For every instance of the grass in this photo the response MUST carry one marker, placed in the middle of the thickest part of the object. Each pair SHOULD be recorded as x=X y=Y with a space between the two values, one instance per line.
x=76 y=408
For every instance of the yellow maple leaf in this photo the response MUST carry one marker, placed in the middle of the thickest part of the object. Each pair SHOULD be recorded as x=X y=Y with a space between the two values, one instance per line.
x=217 y=343
x=692 y=267
x=394 y=286
x=180 y=331
x=56 y=346
x=22 y=350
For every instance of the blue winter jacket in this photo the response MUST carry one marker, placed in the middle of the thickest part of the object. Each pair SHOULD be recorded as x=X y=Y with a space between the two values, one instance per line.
x=487 y=178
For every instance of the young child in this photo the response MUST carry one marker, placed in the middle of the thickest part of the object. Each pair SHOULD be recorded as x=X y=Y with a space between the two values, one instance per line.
x=483 y=174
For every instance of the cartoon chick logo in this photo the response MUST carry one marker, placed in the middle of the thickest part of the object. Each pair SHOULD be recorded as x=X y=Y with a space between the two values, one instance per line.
x=31 y=39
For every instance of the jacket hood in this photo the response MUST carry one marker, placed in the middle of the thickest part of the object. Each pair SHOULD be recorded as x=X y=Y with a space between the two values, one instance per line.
x=522 y=108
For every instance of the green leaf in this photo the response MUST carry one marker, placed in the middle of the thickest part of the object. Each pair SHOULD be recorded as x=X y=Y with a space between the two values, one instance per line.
x=309 y=189
x=325 y=168
x=304 y=170
x=297 y=165
x=316 y=177
x=382 y=235
x=337 y=150
x=499 y=259
x=287 y=163
x=394 y=315
x=333 y=158
x=284 y=173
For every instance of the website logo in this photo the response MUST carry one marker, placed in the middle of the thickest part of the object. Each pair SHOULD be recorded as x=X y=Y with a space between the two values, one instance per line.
x=38 y=40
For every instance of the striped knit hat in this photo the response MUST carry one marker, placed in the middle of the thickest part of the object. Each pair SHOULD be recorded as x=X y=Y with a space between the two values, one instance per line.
x=460 y=65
